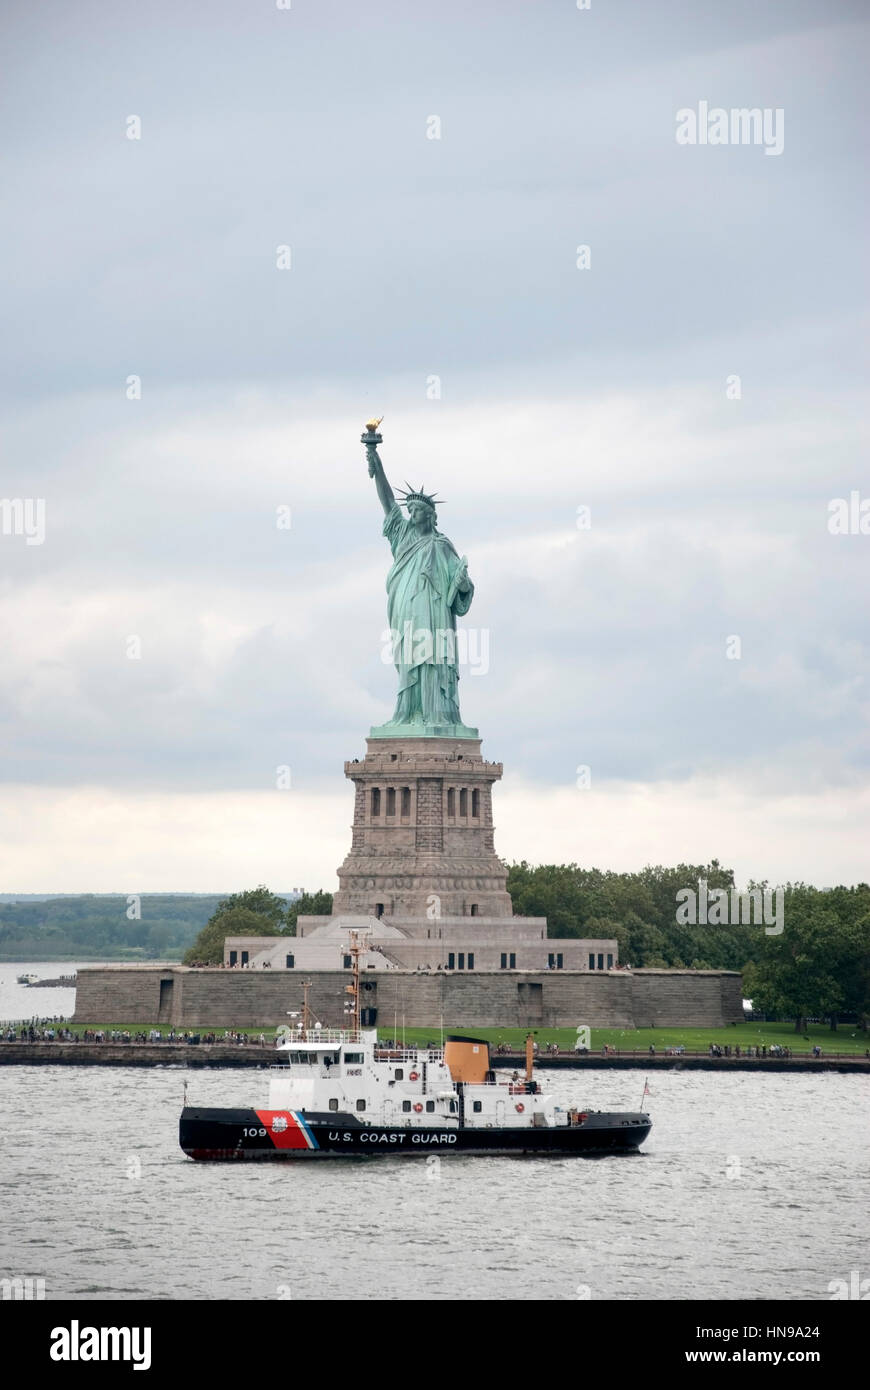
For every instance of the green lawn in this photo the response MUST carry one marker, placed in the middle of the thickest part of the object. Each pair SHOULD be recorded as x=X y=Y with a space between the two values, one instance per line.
x=848 y=1038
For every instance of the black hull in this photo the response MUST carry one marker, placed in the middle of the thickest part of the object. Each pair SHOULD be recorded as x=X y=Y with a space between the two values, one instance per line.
x=225 y=1135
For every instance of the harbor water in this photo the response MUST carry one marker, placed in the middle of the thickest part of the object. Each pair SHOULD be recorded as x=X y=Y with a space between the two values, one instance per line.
x=748 y=1187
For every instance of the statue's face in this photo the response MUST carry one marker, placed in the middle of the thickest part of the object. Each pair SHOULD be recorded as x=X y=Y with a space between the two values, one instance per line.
x=421 y=516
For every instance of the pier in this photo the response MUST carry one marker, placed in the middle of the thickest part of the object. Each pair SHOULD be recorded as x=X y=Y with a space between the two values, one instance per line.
x=252 y=1054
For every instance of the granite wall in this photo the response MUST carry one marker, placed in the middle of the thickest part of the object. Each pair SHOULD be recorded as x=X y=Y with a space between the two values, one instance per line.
x=216 y=998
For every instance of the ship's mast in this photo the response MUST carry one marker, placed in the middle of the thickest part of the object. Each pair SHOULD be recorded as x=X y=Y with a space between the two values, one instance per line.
x=355 y=950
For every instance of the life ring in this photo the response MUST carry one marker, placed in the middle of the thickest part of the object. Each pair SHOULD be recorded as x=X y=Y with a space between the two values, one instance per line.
x=519 y=1108
x=415 y=1076
x=418 y=1108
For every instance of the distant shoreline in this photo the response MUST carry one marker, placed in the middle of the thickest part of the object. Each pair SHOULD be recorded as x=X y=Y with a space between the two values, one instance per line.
x=82 y=958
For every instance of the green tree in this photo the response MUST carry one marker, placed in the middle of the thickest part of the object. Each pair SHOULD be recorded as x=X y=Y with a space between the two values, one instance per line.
x=817 y=967
x=259 y=900
x=646 y=944
x=256 y=912
x=574 y=900
x=317 y=904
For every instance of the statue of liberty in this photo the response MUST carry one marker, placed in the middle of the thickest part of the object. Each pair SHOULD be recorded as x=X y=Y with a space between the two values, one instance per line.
x=428 y=588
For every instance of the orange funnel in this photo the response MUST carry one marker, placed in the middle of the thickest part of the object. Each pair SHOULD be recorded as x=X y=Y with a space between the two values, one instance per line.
x=467 y=1059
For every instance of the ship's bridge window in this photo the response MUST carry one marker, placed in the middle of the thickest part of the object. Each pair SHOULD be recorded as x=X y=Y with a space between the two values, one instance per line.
x=303 y=1058
x=353 y=1058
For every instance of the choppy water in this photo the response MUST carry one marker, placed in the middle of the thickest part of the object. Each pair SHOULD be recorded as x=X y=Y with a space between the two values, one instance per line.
x=749 y=1186
x=25 y=1002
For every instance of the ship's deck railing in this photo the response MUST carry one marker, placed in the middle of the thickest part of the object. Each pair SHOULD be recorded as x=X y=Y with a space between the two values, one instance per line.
x=408 y=1054
x=302 y=1037
x=294 y=1038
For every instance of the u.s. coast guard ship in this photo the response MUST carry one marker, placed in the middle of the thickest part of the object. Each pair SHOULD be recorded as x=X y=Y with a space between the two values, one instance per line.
x=343 y=1093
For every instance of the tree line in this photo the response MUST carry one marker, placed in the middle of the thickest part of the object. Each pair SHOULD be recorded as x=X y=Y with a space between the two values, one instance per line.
x=91 y=926
x=816 y=966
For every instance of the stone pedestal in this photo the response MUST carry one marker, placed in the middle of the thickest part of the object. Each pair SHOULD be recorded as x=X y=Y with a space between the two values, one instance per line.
x=415 y=732
x=422 y=832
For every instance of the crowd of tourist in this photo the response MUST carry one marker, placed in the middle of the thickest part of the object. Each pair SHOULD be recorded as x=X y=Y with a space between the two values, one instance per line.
x=55 y=1030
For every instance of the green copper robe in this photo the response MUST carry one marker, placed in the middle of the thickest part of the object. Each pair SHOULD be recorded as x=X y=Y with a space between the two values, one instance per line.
x=423 y=603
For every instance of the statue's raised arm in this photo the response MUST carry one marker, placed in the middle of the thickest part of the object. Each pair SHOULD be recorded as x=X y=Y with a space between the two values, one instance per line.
x=372 y=439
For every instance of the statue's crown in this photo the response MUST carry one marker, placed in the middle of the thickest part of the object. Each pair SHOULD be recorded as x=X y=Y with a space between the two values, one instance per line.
x=419 y=495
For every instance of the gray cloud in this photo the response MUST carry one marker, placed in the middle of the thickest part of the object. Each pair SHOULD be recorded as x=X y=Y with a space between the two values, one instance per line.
x=560 y=387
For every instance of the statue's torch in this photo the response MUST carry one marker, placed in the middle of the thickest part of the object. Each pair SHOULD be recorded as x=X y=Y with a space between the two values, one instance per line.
x=371 y=438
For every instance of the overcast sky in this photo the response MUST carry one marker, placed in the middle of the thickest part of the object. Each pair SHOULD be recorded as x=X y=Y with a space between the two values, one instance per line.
x=435 y=281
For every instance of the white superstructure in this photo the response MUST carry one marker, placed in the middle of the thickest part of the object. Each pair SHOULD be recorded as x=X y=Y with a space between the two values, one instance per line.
x=350 y=1073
